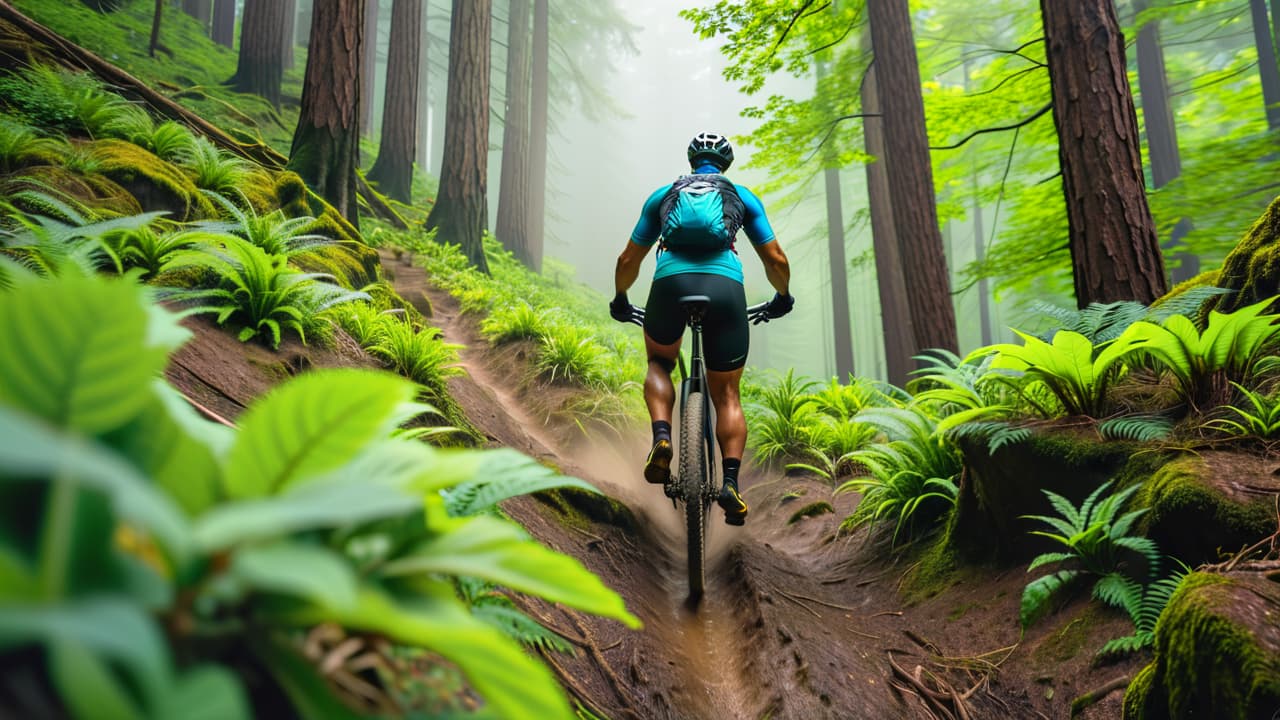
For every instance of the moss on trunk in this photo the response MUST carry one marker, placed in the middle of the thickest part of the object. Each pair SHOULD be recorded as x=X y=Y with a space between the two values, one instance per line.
x=1252 y=269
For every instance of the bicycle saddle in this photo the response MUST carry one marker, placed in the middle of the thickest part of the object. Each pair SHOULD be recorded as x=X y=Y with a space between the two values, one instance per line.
x=695 y=306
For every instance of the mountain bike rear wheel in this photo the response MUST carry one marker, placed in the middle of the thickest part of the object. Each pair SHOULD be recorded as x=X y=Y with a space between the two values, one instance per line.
x=693 y=474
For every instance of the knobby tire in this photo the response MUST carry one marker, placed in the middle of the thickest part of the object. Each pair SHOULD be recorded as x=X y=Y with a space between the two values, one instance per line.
x=693 y=480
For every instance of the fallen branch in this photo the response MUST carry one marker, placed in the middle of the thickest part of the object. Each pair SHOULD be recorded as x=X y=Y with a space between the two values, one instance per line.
x=1097 y=694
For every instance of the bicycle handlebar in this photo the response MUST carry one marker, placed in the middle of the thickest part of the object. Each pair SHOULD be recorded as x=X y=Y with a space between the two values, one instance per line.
x=637 y=312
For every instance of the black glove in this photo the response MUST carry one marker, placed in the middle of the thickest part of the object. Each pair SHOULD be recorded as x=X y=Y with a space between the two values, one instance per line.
x=780 y=305
x=623 y=311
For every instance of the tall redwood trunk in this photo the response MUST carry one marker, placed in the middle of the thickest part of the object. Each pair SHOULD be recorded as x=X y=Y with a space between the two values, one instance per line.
x=1162 y=131
x=910 y=172
x=460 y=210
x=155 y=28
x=198 y=9
x=261 y=35
x=1268 y=69
x=841 y=325
x=895 y=313
x=290 y=28
x=424 y=70
x=513 y=189
x=393 y=171
x=370 y=64
x=1114 y=250
x=325 y=143
x=224 y=23
x=538 y=135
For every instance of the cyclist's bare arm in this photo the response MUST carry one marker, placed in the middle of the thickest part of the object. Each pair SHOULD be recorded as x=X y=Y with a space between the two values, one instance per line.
x=776 y=267
x=628 y=268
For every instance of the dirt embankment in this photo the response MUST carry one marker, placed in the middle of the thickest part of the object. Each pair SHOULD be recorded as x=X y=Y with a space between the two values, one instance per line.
x=795 y=624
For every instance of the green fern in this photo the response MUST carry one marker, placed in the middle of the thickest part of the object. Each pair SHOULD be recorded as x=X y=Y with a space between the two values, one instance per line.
x=420 y=355
x=1144 y=604
x=997 y=434
x=1142 y=428
x=1037 y=594
x=1262 y=422
x=506 y=474
x=518 y=321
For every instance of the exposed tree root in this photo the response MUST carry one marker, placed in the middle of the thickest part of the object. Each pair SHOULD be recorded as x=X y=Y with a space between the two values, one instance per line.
x=1099 y=693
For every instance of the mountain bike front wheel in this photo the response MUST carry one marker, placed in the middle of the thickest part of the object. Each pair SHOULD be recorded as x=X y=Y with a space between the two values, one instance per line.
x=694 y=476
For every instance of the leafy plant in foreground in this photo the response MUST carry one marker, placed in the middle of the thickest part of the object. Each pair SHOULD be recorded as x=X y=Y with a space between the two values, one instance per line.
x=1144 y=603
x=1094 y=536
x=156 y=527
x=777 y=416
x=60 y=236
x=273 y=232
x=1077 y=372
x=259 y=291
x=1263 y=421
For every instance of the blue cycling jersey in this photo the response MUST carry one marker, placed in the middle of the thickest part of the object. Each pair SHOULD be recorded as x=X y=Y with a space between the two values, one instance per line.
x=725 y=263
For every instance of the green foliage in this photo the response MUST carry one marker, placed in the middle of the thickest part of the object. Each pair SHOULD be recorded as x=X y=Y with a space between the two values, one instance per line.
x=1230 y=346
x=995 y=433
x=570 y=354
x=258 y=291
x=1094 y=537
x=59 y=236
x=309 y=513
x=273 y=232
x=418 y=354
x=1074 y=370
x=211 y=167
x=913 y=475
x=518 y=321
x=149 y=249
x=173 y=142
x=1142 y=428
x=21 y=145
x=1144 y=604
x=777 y=415
x=1261 y=419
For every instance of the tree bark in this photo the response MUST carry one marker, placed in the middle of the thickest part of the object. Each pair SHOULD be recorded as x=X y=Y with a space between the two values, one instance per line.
x=1162 y=131
x=370 y=64
x=1115 y=254
x=513 y=189
x=895 y=312
x=198 y=9
x=424 y=69
x=538 y=135
x=325 y=144
x=979 y=247
x=460 y=210
x=224 y=23
x=1268 y=69
x=155 y=28
x=910 y=172
x=290 y=29
x=261 y=34
x=393 y=170
x=841 y=325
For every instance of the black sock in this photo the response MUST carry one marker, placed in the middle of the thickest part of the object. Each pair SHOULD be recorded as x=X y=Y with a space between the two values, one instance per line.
x=661 y=431
x=731 y=467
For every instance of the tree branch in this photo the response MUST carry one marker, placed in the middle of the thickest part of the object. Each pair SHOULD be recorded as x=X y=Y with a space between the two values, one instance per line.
x=787 y=31
x=1021 y=123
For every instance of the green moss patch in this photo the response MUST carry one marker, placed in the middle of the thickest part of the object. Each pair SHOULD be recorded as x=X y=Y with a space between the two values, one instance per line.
x=1217 y=652
x=579 y=509
x=1198 y=507
x=822 y=507
x=1252 y=269
x=156 y=184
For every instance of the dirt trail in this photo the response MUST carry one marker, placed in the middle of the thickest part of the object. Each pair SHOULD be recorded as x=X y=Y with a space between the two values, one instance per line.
x=793 y=625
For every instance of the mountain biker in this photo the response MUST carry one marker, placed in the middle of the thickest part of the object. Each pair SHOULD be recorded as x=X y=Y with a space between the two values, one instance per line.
x=703 y=262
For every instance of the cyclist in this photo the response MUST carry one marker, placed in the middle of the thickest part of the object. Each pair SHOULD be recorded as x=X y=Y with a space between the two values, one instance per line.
x=696 y=257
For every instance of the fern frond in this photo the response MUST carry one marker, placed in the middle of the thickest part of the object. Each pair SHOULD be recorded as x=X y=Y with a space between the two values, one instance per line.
x=1037 y=594
x=1142 y=428
x=1119 y=591
x=520 y=627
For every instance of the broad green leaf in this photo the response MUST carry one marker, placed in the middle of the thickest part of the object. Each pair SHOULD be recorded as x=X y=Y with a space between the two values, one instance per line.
x=511 y=682
x=503 y=474
x=87 y=685
x=205 y=693
x=500 y=552
x=80 y=351
x=328 y=504
x=311 y=572
x=32 y=449
x=1048 y=558
x=310 y=425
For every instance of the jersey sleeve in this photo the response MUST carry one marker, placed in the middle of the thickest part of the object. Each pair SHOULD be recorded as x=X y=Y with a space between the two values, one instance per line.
x=649 y=226
x=754 y=222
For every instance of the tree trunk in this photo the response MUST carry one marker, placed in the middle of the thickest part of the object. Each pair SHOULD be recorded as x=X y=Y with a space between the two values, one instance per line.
x=1115 y=254
x=895 y=312
x=538 y=136
x=155 y=28
x=261 y=33
x=460 y=210
x=842 y=333
x=224 y=23
x=979 y=247
x=1162 y=131
x=198 y=9
x=393 y=170
x=424 y=70
x=325 y=144
x=513 y=190
x=370 y=64
x=290 y=28
x=1268 y=70
x=910 y=171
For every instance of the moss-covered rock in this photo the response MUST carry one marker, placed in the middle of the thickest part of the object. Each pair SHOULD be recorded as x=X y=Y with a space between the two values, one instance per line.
x=997 y=490
x=350 y=260
x=156 y=184
x=1217 y=653
x=93 y=191
x=1252 y=269
x=1202 y=505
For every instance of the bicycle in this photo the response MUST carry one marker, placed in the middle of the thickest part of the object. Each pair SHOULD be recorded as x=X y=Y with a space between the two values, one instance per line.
x=694 y=482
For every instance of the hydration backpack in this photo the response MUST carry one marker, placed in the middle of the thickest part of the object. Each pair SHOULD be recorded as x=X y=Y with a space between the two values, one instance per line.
x=701 y=212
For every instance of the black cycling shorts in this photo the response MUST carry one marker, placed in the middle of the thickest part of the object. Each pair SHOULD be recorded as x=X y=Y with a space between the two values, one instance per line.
x=725 y=334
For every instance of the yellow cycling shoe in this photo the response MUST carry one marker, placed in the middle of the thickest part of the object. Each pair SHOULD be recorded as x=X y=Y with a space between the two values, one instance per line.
x=735 y=508
x=657 y=469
